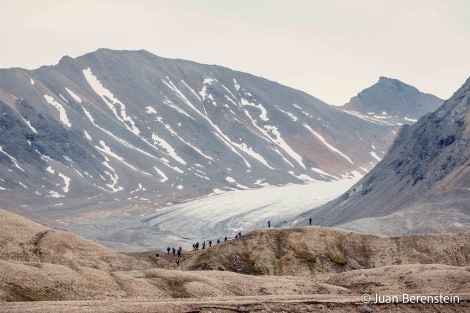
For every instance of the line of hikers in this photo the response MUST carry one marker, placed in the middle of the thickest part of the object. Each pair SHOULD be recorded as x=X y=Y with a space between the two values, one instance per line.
x=196 y=245
x=203 y=245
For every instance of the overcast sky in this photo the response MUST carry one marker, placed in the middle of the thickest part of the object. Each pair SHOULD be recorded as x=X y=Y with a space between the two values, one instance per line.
x=331 y=49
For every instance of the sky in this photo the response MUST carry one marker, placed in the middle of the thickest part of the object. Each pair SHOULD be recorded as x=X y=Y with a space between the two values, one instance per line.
x=331 y=49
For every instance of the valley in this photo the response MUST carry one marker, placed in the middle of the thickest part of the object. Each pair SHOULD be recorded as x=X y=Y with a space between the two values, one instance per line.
x=98 y=144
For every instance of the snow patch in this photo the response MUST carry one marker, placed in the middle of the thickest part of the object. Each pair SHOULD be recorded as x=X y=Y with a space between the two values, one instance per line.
x=192 y=90
x=323 y=173
x=50 y=170
x=150 y=110
x=30 y=126
x=12 y=159
x=118 y=108
x=169 y=149
x=62 y=113
x=236 y=85
x=66 y=180
x=177 y=108
x=277 y=138
x=107 y=150
x=164 y=178
x=230 y=179
x=327 y=144
x=410 y=120
x=374 y=155
x=73 y=95
x=264 y=113
x=87 y=136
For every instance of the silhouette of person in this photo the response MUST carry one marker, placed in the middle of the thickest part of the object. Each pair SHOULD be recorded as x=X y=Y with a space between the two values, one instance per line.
x=310 y=221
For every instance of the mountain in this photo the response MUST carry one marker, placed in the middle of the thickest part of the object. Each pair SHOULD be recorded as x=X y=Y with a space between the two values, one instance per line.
x=119 y=132
x=422 y=184
x=393 y=101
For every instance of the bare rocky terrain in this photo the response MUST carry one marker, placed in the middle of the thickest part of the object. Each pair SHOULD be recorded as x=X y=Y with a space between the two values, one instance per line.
x=309 y=269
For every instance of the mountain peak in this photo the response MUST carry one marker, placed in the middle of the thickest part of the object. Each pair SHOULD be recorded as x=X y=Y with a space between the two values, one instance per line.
x=394 y=101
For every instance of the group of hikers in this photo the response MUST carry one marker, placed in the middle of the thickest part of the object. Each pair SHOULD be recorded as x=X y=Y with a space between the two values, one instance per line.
x=179 y=251
x=196 y=245
x=175 y=252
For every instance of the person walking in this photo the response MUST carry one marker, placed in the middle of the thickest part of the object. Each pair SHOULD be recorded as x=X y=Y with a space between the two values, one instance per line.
x=174 y=251
x=310 y=221
x=210 y=243
x=168 y=250
x=225 y=238
x=269 y=224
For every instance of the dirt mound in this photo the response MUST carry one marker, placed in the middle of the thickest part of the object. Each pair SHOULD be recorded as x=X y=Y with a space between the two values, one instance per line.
x=412 y=278
x=319 y=252
x=26 y=241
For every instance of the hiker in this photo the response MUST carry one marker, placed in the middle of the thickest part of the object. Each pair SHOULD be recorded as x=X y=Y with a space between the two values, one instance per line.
x=210 y=243
x=194 y=247
x=168 y=249
x=156 y=256
x=204 y=244
x=269 y=224
x=310 y=221
x=240 y=234
x=179 y=253
x=225 y=238
x=197 y=245
x=218 y=241
x=174 y=251
x=177 y=262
